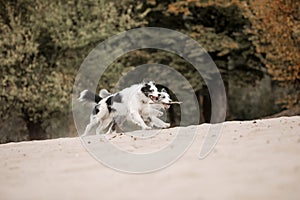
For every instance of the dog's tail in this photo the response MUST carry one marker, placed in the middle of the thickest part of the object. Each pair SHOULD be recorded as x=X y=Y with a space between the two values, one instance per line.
x=104 y=93
x=88 y=96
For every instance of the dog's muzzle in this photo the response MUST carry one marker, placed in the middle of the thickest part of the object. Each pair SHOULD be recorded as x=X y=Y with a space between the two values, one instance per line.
x=153 y=98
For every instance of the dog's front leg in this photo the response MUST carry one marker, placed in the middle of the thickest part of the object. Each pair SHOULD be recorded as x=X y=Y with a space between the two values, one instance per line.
x=157 y=113
x=159 y=123
x=137 y=119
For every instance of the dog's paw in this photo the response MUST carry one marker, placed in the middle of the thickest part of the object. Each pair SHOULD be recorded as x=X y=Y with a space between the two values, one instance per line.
x=86 y=133
x=166 y=125
x=151 y=124
x=146 y=128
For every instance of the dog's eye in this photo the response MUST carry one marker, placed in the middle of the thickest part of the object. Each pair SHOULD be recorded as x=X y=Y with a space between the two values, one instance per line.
x=151 y=90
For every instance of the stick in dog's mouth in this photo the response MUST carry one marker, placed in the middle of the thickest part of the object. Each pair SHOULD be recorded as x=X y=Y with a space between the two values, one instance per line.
x=170 y=103
x=175 y=102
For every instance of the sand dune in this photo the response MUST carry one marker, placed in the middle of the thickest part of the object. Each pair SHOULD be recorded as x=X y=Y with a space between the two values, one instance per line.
x=252 y=160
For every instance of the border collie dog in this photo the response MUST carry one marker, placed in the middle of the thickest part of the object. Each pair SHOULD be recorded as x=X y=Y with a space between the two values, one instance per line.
x=152 y=111
x=149 y=113
x=124 y=105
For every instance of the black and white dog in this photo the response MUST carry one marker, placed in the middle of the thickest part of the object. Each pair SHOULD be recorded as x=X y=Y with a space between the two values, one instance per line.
x=128 y=104
x=150 y=112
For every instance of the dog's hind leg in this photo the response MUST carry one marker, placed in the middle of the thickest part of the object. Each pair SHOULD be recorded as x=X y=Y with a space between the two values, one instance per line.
x=88 y=128
x=99 y=129
x=104 y=119
x=112 y=128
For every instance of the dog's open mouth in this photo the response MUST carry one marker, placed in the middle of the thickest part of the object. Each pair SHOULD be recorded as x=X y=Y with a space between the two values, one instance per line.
x=153 y=98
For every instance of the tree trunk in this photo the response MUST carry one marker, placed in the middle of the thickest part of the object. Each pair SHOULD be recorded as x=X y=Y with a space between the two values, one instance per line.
x=35 y=131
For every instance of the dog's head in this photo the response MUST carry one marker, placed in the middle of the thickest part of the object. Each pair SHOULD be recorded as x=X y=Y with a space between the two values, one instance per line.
x=150 y=90
x=164 y=98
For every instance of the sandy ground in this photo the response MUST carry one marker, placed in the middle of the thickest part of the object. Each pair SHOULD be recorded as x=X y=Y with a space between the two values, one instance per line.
x=252 y=160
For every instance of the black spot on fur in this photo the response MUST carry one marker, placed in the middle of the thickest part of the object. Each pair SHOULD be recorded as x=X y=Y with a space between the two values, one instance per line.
x=90 y=96
x=146 y=89
x=117 y=98
x=109 y=103
x=95 y=110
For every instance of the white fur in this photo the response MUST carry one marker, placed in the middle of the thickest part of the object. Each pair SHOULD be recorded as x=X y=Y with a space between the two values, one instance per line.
x=133 y=102
x=151 y=112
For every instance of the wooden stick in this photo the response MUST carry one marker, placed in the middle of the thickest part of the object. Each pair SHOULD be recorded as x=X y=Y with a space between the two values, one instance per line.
x=176 y=102
x=172 y=102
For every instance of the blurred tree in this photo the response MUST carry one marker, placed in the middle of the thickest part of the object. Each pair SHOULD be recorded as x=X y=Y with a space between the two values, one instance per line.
x=218 y=27
x=42 y=45
x=246 y=39
x=275 y=26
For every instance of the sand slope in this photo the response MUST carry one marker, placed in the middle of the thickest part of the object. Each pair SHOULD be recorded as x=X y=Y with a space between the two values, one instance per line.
x=252 y=160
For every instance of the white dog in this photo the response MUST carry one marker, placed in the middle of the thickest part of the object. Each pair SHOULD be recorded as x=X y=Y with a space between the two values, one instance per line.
x=149 y=113
x=126 y=104
x=152 y=111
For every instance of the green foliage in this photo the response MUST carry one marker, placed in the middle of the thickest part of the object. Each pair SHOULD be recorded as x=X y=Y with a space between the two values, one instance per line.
x=43 y=43
x=260 y=37
x=275 y=26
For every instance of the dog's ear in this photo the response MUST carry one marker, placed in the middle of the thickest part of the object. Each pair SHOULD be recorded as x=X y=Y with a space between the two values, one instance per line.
x=151 y=82
x=164 y=90
x=145 y=89
x=144 y=81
